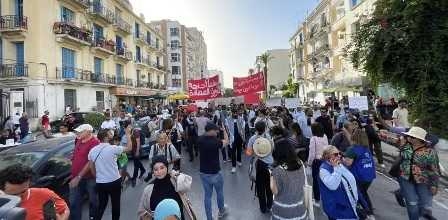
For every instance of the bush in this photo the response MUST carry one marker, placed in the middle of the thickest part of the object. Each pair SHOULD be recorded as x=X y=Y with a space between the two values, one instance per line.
x=95 y=119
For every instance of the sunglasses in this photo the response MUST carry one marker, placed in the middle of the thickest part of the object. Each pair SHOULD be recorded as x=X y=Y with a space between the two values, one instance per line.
x=338 y=154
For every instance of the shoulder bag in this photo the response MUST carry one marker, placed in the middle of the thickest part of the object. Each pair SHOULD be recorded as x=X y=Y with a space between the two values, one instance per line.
x=307 y=194
x=182 y=182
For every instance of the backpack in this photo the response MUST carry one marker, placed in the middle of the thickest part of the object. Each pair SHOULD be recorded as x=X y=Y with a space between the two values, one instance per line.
x=155 y=152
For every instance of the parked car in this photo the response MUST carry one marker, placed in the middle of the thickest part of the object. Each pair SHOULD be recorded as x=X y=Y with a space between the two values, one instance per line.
x=50 y=160
x=78 y=120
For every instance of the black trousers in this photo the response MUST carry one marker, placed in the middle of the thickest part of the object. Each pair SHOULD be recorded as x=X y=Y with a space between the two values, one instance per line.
x=138 y=166
x=225 y=151
x=192 y=147
x=263 y=187
x=178 y=146
x=237 y=148
x=315 y=166
x=363 y=187
x=375 y=146
x=104 y=190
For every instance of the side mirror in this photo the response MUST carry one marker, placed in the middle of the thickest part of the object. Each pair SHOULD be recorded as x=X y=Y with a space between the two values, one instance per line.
x=45 y=180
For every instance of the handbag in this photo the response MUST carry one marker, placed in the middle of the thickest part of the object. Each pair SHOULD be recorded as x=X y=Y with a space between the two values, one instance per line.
x=122 y=160
x=187 y=207
x=308 y=194
x=183 y=182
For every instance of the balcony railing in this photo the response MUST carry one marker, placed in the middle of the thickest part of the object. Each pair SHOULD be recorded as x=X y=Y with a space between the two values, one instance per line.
x=130 y=82
x=13 y=22
x=105 y=44
x=13 y=70
x=103 y=12
x=122 y=25
x=120 y=80
x=123 y=52
x=67 y=72
x=73 y=31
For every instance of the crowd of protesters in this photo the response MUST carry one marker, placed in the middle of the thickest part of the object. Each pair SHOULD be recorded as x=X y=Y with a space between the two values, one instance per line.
x=336 y=143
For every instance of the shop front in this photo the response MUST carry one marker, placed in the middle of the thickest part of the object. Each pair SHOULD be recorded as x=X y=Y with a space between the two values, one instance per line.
x=137 y=96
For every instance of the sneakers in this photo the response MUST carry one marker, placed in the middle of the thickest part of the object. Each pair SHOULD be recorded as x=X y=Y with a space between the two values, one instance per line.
x=370 y=217
x=240 y=164
x=316 y=203
x=233 y=169
x=222 y=213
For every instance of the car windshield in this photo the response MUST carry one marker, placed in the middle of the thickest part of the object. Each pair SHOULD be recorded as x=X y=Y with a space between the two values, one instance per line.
x=27 y=159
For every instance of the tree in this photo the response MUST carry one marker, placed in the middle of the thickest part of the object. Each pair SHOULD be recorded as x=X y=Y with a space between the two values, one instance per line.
x=228 y=92
x=290 y=88
x=405 y=43
x=265 y=58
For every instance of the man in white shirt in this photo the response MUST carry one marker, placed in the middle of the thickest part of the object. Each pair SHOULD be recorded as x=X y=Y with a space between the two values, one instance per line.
x=400 y=115
x=201 y=121
x=108 y=123
x=63 y=132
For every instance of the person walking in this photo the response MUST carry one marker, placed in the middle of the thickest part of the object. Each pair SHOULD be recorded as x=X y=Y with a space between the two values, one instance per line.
x=359 y=159
x=136 y=148
x=342 y=139
x=191 y=136
x=286 y=184
x=103 y=163
x=261 y=145
x=419 y=174
x=325 y=121
x=201 y=121
x=45 y=122
x=337 y=187
x=24 y=126
x=299 y=142
x=236 y=125
x=400 y=115
x=318 y=142
x=162 y=188
x=82 y=180
x=210 y=170
x=108 y=122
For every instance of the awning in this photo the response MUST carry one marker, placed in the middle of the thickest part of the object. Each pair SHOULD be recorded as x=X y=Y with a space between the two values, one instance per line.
x=157 y=96
x=178 y=96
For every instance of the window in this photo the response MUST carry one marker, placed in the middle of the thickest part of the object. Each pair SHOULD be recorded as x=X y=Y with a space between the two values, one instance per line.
x=97 y=65
x=138 y=77
x=137 y=30
x=174 y=32
x=355 y=2
x=174 y=44
x=175 y=57
x=119 y=41
x=176 y=83
x=158 y=61
x=148 y=37
x=119 y=73
x=20 y=59
x=138 y=55
x=157 y=43
x=67 y=15
x=97 y=33
x=100 y=101
x=70 y=98
x=68 y=63
x=175 y=70
x=158 y=80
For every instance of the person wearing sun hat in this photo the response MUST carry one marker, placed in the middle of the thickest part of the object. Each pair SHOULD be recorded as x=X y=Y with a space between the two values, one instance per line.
x=419 y=173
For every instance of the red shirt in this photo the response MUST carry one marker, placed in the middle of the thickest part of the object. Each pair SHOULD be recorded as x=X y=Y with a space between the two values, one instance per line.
x=34 y=199
x=45 y=120
x=80 y=154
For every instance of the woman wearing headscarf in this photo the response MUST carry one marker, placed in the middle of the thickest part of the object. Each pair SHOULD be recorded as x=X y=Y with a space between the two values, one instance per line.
x=162 y=188
x=419 y=174
x=338 y=190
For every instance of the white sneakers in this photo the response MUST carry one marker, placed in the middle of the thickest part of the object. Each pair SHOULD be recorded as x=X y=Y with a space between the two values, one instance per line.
x=224 y=212
x=316 y=204
x=233 y=169
x=240 y=164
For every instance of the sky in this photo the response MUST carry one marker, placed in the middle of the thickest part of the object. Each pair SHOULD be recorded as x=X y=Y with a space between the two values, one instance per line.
x=235 y=31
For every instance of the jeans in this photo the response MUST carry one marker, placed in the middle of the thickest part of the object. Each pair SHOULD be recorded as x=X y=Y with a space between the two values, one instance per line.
x=76 y=199
x=315 y=166
x=112 y=189
x=263 y=187
x=418 y=198
x=210 y=181
x=363 y=187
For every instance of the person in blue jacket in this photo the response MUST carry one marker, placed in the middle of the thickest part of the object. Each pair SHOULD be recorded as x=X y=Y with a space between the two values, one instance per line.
x=359 y=159
x=339 y=193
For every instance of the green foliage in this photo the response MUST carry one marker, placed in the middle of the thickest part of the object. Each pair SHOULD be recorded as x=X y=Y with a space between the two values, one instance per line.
x=405 y=43
x=290 y=88
x=95 y=119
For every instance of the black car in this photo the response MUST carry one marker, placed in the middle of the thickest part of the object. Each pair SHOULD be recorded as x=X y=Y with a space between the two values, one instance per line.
x=78 y=120
x=50 y=160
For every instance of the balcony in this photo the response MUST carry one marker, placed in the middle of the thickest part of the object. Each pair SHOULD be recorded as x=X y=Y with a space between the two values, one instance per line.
x=142 y=84
x=142 y=62
x=101 y=14
x=120 y=80
x=77 y=4
x=140 y=39
x=14 y=70
x=122 y=26
x=103 y=47
x=158 y=67
x=13 y=26
x=71 y=34
x=72 y=73
x=130 y=82
x=122 y=54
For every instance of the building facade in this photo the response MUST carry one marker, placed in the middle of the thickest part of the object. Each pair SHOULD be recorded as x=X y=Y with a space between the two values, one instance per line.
x=317 y=54
x=214 y=72
x=278 y=68
x=90 y=55
x=187 y=53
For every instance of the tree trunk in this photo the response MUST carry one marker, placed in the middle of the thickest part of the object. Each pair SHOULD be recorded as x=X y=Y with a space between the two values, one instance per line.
x=265 y=76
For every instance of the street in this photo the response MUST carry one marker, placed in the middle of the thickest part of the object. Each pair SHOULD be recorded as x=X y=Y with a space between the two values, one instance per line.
x=243 y=205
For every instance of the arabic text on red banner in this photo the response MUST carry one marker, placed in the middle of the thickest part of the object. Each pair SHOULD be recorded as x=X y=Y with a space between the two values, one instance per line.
x=248 y=85
x=202 y=89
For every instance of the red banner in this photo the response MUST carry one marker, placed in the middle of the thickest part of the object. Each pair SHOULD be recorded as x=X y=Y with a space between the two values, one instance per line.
x=250 y=84
x=202 y=89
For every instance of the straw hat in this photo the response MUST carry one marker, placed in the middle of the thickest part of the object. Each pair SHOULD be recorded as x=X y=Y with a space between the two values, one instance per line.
x=262 y=147
x=416 y=132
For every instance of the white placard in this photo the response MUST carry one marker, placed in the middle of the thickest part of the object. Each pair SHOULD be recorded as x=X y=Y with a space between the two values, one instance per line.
x=274 y=102
x=201 y=104
x=292 y=102
x=358 y=102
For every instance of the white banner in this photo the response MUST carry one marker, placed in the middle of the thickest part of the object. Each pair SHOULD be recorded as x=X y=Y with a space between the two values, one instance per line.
x=358 y=102
x=292 y=102
x=274 y=102
x=201 y=104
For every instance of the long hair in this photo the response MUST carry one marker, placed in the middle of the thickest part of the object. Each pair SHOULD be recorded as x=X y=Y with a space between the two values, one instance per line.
x=360 y=137
x=284 y=155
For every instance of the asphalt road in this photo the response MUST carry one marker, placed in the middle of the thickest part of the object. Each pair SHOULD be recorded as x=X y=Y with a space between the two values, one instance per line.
x=243 y=205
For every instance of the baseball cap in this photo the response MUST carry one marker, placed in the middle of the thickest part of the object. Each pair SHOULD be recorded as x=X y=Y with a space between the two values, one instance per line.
x=211 y=126
x=84 y=127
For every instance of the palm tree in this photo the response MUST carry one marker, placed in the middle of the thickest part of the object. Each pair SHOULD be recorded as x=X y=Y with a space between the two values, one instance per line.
x=265 y=58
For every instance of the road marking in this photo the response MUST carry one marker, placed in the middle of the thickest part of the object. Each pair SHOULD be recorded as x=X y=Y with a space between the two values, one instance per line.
x=395 y=181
